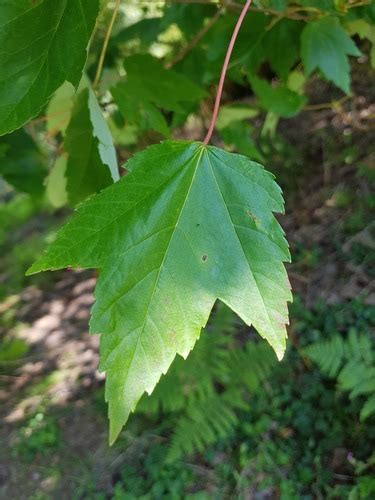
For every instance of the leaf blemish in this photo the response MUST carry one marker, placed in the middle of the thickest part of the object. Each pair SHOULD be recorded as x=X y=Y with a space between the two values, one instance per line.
x=204 y=258
x=252 y=216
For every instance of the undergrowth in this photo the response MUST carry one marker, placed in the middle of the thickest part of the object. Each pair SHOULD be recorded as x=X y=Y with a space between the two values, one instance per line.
x=295 y=429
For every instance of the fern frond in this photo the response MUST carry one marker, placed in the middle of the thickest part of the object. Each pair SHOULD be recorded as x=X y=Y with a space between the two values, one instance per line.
x=351 y=360
x=358 y=378
x=204 y=424
x=251 y=364
x=358 y=347
x=328 y=355
x=368 y=408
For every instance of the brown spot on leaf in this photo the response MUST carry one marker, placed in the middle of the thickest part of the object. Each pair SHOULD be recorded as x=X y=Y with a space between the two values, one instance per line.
x=252 y=216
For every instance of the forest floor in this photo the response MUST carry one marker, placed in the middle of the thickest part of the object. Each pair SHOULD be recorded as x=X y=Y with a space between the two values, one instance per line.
x=53 y=437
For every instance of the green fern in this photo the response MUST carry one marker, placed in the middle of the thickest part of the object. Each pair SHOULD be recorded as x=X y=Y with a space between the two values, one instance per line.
x=204 y=423
x=207 y=390
x=251 y=364
x=351 y=362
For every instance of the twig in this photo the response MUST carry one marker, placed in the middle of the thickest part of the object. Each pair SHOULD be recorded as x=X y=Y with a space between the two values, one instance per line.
x=195 y=40
x=105 y=44
x=326 y=105
x=224 y=71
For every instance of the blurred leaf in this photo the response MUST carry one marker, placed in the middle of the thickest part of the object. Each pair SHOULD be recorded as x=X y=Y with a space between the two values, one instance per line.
x=249 y=50
x=56 y=183
x=237 y=136
x=92 y=163
x=165 y=88
x=279 y=100
x=12 y=350
x=60 y=108
x=320 y=5
x=137 y=96
x=234 y=113
x=123 y=135
x=278 y=5
x=325 y=45
x=282 y=46
x=189 y=17
x=270 y=125
x=368 y=408
x=21 y=163
x=146 y=30
x=365 y=31
x=42 y=44
x=296 y=81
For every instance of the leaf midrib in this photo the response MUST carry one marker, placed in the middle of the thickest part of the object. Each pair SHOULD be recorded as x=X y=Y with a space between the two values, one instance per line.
x=141 y=330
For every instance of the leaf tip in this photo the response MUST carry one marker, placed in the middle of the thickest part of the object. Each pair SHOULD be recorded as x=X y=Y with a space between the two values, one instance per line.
x=33 y=269
x=114 y=431
x=280 y=353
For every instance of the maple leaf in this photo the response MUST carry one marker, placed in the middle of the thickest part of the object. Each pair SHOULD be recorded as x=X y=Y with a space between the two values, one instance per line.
x=325 y=45
x=188 y=225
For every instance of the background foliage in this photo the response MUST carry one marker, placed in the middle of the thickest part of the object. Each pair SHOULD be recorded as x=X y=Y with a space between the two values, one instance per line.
x=230 y=421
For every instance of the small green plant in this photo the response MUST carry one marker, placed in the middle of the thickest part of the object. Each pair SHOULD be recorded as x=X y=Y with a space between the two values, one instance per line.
x=351 y=362
x=158 y=480
x=39 y=436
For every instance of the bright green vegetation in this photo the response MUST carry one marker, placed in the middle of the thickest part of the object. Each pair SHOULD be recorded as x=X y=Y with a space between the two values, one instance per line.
x=39 y=435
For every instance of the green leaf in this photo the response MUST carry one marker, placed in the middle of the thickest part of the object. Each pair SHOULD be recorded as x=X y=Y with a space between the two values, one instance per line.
x=189 y=17
x=364 y=30
x=56 y=184
x=249 y=49
x=325 y=45
x=60 y=108
x=188 y=225
x=238 y=137
x=278 y=5
x=43 y=43
x=146 y=30
x=137 y=96
x=296 y=81
x=368 y=408
x=21 y=163
x=279 y=100
x=234 y=113
x=92 y=163
x=320 y=5
x=12 y=350
x=282 y=46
